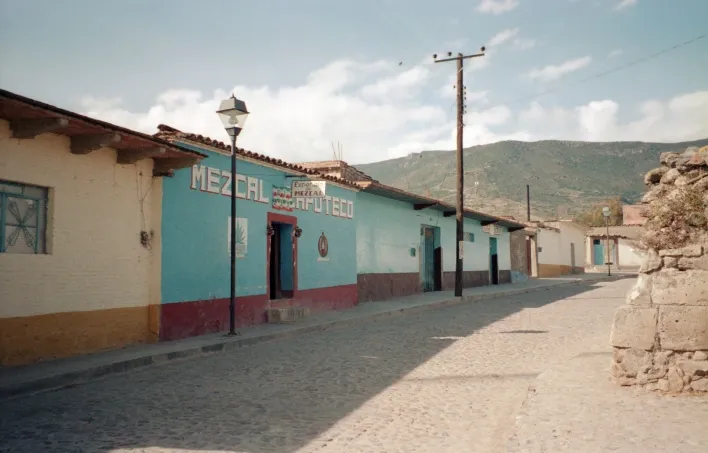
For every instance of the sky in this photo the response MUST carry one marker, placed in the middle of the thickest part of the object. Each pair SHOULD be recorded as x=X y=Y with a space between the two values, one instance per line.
x=361 y=74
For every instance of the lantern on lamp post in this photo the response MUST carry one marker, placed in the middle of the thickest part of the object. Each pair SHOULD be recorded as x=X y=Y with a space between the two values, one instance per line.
x=233 y=114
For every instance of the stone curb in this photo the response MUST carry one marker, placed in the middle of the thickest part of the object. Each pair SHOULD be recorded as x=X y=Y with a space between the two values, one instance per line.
x=72 y=378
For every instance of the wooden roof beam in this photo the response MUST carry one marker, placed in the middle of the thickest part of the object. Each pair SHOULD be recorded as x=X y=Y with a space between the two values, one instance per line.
x=166 y=165
x=488 y=222
x=132 y=155
x=449 y=213
x=419 y=206
x=84 y=144
x=30 y=128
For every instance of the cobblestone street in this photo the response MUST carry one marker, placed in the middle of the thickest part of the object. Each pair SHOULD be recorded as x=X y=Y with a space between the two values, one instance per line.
x=450 y=380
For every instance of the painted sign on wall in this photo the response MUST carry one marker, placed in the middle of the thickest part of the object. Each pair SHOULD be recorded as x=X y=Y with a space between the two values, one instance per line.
x=328 y=205
x=217 y=181
x=241 y=237
x=283 y=199
x=309 y=189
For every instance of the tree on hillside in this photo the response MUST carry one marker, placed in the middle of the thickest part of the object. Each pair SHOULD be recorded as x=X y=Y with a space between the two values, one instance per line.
x=593 y=217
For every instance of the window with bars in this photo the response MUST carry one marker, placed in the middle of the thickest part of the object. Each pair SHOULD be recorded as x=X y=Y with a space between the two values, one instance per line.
x=23 y=218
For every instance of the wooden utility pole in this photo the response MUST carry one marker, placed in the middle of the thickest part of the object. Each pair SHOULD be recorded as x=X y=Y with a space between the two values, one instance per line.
x=528 y=202
x=460 y=204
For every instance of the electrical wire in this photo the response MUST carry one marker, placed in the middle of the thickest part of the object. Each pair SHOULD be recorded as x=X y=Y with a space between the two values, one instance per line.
x=604 y=73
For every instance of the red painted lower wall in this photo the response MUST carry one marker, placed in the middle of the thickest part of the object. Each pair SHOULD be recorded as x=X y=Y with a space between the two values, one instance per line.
x=187 y=319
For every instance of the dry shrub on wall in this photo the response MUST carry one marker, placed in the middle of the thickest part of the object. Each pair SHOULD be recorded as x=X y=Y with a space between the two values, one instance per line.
x=676 y=220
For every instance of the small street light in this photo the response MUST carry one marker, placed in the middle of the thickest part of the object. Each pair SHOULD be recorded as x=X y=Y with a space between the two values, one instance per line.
x=606 y=212
x=233 y=114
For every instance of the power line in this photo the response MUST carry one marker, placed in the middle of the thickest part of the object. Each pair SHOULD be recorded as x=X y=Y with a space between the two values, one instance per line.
x=607 y=72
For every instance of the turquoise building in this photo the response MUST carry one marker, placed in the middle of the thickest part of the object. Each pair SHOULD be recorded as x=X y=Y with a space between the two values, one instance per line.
x=405 y=243
x=364 y=241
x=290 y=251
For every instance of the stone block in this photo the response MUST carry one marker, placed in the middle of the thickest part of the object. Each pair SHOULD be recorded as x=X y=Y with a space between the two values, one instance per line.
x=690 y=251
x=670 y=176
x=671 y=262
x=693 y=367
x=669 y=159
x=683 y=328
x=675 y=380
x=693 y=263
x=663 y=385
x=634 y=327
x=700 y=385
x=640 y=293
x=651 y=263
x=635 y=362
x=654 y=176
x=700 y=355
x=674 y=287
x=701 y=185
x=661 y=358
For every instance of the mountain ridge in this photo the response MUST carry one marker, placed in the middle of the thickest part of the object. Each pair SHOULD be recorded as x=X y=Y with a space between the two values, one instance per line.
x=566 y=176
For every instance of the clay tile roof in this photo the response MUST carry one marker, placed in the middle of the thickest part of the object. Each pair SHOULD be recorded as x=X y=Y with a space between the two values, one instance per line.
x=170 y=133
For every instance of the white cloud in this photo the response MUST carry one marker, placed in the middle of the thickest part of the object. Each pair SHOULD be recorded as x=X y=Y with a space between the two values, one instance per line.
x=524 y=43
x=477 y=97
x=681 y=118
x=555 y=72
x=615 y=53
x=366 y=108
x=511 y=35
x=497 y=6
x=503 y=36
x=622 y=4
x=405 y=84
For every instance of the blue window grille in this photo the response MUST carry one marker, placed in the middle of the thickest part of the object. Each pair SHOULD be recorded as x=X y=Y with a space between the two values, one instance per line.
x=23 y=218
x=468 y=237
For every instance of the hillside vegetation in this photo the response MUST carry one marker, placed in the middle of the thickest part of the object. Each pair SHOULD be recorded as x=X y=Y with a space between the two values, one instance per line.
x=566 y=177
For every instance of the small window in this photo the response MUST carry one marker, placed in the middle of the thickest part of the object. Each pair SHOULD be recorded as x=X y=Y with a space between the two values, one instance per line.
x=23 y=218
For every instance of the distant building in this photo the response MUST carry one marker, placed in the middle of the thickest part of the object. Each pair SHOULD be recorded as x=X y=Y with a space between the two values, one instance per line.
x=560 y=248
x=632 y=215
x=625 y=251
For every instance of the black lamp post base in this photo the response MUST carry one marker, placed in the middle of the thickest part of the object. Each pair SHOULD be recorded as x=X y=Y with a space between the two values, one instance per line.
x=233 y=334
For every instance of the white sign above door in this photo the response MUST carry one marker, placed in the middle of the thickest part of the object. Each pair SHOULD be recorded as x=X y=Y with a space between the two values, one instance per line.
x=309 y=189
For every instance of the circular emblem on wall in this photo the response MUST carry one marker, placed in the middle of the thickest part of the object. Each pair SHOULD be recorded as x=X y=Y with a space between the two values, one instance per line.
x=323 y=245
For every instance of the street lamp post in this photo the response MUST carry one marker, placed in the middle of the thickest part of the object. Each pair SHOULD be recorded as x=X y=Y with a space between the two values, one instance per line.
x=606 y=214
x=233 y=115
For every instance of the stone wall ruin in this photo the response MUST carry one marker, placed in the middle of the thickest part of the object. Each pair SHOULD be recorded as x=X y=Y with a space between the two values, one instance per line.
x=660 y=335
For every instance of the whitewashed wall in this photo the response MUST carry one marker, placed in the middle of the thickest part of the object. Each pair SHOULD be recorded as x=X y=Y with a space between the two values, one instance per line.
x=387 y=229
x=551 y=249
x=572 y=234
x=629 y=255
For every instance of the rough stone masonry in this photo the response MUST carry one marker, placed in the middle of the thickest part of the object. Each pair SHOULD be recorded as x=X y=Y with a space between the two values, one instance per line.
x=660 y=335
